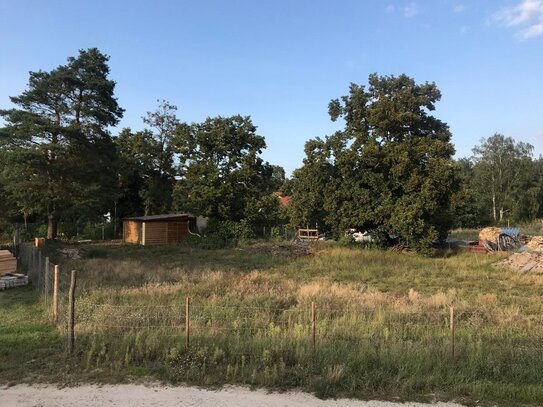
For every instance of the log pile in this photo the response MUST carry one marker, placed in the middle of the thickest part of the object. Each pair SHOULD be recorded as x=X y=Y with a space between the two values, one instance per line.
x=490 y=234
x=8 y=263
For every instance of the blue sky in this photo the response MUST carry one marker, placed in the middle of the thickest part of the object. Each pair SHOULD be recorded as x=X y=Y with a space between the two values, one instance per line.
x=282 y=61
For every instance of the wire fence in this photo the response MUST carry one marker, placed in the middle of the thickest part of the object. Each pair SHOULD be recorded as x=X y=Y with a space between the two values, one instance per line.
x=446 y=331
x=39 y=269
x=186 y=321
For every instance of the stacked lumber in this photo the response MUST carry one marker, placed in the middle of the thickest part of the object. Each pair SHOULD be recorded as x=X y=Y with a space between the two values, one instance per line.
x=8 y=263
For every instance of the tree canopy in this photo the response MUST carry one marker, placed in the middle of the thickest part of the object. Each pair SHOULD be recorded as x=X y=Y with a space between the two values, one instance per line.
x=221 y=173
x=58 y=153
x=389 y=171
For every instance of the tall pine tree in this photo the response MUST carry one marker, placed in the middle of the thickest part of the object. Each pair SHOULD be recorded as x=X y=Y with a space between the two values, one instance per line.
x=59 y=155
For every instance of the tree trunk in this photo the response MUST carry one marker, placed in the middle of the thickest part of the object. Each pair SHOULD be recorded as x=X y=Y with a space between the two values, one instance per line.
x=494 y=206
x=52 y=225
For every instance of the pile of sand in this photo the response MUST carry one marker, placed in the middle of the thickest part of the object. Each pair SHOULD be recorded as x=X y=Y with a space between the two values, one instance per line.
x=523 y=262
x=535 y=244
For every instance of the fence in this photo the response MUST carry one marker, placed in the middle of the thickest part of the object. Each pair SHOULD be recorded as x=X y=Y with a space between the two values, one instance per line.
x=445 y=335
x=306 y=325
x=40 y=270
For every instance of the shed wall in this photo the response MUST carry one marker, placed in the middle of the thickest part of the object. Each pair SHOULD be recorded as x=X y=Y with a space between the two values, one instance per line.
x=166 y=232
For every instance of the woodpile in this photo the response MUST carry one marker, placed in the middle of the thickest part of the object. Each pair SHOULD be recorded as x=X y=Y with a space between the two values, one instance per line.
x=8 y=263
x=490 y=234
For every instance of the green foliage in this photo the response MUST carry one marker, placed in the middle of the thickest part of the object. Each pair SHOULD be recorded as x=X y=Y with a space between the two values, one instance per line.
x=58 y=158
x=230 y=231
x=505 y=179
x=146 y=164
x=389 y=171
x=222 y=174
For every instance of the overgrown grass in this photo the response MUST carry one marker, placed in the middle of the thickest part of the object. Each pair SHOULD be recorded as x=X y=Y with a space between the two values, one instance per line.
x=382 y=322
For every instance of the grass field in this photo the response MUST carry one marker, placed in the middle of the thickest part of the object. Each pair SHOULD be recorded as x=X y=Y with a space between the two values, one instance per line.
x=382 y=322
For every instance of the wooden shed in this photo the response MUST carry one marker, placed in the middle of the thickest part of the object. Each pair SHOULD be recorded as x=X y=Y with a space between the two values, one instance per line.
x=156 y=229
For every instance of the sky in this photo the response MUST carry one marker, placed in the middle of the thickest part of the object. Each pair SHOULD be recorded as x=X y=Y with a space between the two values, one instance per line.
x=281 y=62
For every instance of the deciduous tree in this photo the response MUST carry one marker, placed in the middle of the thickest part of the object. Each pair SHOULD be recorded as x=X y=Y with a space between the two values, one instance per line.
x=504 y=177
x=389 y=171
x=220 y=168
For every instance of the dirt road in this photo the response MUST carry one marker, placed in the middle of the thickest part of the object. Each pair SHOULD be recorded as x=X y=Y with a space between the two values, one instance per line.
x=131 y=395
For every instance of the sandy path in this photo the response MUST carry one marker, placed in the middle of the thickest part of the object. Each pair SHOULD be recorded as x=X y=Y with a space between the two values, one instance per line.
x=130 y=395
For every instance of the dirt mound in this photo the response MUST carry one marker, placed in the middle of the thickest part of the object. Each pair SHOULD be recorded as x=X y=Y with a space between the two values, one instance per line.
x=535 y=243
x=523 y=262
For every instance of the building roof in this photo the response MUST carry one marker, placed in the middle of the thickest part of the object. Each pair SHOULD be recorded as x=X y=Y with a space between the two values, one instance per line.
x=170 y=216
x=284 y=200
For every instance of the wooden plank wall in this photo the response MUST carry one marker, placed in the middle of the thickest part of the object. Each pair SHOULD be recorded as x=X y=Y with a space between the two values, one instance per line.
x=166 y=232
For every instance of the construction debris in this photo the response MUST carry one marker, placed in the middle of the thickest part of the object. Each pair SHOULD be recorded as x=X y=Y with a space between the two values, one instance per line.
x=535 y=244
x=8 y=263
x=523 y=262
x=498 y=239
x=73 y=254
x=491 y=234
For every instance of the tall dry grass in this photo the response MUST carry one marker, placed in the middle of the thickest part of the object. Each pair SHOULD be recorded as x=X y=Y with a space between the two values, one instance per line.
x=382 y=321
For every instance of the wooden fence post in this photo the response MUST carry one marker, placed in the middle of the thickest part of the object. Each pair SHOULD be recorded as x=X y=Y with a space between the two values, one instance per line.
x=187 y=322
x=46 y=281
x=313 y=325
x=55 y=296
x=40 y=274
x=451 y=326
x=71 y=300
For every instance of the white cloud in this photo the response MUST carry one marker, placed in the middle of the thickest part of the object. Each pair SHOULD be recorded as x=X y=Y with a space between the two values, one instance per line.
x=527 y=16
x=390 y=8
x=411 y=10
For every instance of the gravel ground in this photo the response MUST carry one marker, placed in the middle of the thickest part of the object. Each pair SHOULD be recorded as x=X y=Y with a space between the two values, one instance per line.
x=130 y=395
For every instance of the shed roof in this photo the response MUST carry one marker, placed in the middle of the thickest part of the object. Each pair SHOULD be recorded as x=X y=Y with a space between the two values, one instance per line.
x=171 y=216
